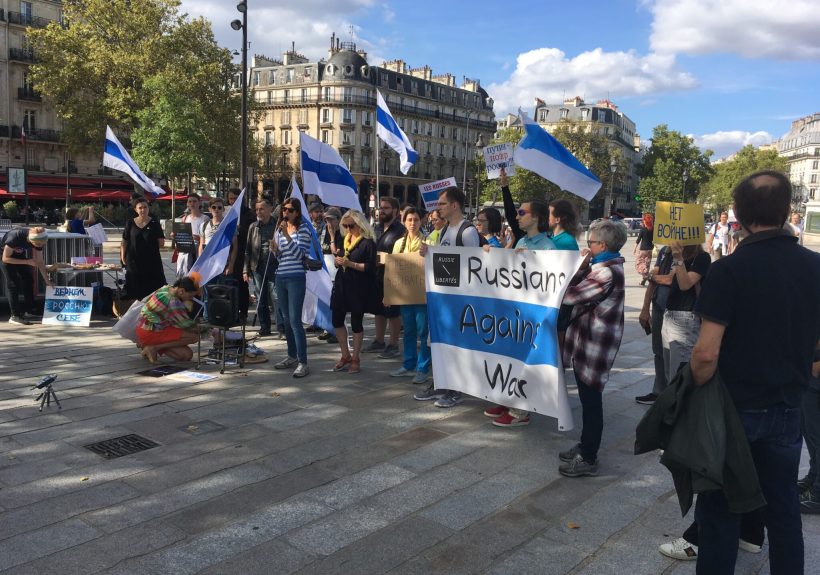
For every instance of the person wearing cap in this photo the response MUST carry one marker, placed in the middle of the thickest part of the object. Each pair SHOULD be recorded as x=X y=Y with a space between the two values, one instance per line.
x=332 y=244
x=22 y=251
x=317 y=218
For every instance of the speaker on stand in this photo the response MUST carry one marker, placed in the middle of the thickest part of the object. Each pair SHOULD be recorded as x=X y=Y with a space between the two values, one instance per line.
x=222 y=306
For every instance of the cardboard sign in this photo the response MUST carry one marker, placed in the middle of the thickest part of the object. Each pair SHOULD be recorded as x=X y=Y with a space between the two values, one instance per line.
x=498 y=157
x=68 y=306
x=493 y=320
x=676 y=222
x=183 y=236
x=430 y=191
x=404 y=279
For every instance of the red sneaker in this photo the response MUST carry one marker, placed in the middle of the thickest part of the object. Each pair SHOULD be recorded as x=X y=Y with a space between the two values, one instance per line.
x=509 y=420
x=496 y=410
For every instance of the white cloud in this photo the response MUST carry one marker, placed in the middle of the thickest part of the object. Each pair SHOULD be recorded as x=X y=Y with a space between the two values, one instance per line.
x=548 y=74
x=725 y=143
x=272 y=27
x=781 y=29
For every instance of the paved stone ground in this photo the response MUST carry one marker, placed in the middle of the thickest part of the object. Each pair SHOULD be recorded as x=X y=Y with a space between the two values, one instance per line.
x=259 y=473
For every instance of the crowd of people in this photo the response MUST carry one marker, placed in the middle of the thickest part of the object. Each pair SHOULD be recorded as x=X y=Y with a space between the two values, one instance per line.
x=733 y=316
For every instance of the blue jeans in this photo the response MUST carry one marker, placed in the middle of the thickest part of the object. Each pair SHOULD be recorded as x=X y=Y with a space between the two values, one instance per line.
x=414 y=320
x=265 y=300
x=775 y=440
x=291 y=294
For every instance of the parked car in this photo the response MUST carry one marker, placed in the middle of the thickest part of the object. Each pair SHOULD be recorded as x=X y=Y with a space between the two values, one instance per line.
x=633 y=226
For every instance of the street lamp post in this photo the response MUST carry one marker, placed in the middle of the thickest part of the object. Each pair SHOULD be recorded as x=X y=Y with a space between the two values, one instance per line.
x=466 y=143
x=479 y=148
x=685 y=177
x=613 y=167
x=243 y=25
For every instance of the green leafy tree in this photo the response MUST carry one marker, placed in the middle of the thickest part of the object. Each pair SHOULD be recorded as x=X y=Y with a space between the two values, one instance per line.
x=130 y=64
x=663 y=165
x=717 y=192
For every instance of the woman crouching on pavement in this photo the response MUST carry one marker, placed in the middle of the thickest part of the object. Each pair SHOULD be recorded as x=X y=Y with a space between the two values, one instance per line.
x=165 y=325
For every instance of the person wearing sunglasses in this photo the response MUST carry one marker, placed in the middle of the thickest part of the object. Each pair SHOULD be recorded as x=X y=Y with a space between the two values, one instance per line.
x=291 y=242
x=354 y=288
x=217 y=209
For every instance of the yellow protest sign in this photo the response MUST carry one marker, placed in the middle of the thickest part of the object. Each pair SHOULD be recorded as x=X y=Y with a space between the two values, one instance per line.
x=404 y=279
x=675 y=222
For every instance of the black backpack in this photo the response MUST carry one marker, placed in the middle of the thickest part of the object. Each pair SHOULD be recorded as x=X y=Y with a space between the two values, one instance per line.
x=482 y=241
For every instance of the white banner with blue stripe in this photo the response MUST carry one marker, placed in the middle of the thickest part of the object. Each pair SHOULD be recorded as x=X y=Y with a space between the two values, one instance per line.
x=116 y=157
x=492 y=320
x=325 y=174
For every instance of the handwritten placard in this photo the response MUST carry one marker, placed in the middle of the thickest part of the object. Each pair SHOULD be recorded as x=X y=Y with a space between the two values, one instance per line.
x=497 y=157
x=68 y=306
x=404 y=279
x=431 y=191
x=675 y=222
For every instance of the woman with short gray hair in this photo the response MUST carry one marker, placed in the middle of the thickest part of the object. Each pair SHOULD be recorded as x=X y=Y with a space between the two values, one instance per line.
x=593 y=337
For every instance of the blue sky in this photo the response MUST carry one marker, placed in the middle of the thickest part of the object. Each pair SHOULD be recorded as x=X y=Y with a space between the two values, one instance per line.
x=726 y=72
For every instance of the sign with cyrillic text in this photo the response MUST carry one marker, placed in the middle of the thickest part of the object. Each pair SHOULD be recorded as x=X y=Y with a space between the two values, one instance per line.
x=492 y=320
x=497 y=157
x=430 y=191
x=676 y=222
x=68 y=306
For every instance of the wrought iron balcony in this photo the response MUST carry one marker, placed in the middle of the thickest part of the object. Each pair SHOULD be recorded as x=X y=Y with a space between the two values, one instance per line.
x=21 y=54
x=28 y=20
x=29 y=95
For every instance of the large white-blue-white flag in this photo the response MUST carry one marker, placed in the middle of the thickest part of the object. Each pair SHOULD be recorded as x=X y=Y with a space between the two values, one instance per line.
x=115 y=157
x=540 y=152
x=316 y=309
x=325 y=174
x=214 y=257
x=390 y=133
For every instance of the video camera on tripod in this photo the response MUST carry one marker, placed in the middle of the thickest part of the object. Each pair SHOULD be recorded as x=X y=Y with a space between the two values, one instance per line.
x=47 y=392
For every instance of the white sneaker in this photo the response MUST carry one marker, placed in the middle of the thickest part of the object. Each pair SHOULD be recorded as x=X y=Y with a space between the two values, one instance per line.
x=301 y=370
x=679 y=549
x=744 y=545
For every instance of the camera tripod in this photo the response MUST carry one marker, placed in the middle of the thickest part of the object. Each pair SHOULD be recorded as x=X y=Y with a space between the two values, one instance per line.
x=47 y=392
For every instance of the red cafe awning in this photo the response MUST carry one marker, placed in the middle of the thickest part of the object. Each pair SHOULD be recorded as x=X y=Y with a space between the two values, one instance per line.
x=83 y=188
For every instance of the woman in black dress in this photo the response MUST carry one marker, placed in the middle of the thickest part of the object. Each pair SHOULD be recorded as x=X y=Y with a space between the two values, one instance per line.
x=354 y=287
x=139 y=252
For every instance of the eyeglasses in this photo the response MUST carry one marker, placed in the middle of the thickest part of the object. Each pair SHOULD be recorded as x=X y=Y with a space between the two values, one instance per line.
x=218 y=208
x=590 y=242
x=289 y=210
x=523 y=212
x=349 y=226
x=442 y=203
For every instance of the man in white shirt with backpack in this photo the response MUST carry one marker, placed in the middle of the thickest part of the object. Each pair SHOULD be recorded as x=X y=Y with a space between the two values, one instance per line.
x=718 y=240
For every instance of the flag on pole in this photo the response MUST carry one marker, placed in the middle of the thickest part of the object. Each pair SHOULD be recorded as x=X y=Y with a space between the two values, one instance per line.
x=325 y=174
x=23 y=136
x=388 y=130
x=541 y=153
x=316 y=309
x=115 y=156
x=214 y=257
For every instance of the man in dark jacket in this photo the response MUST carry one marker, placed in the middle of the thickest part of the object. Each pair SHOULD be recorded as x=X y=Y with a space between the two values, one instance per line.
x=761 y=323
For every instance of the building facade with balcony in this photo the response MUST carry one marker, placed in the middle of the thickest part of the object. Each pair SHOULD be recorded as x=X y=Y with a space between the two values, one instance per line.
x=334 y=101
x=801 y=147
x=610 y=122
x=22 y=110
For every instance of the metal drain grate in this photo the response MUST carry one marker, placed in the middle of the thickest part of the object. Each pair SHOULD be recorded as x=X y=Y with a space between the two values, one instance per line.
x=120 y=446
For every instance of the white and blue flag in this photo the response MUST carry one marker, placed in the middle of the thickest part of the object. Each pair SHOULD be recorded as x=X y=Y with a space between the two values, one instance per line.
x=493 y=319
x=115 y=157
x=541 y=153
x=325 y=174
x=318 y=285
x=214 y=257
x=390 y=133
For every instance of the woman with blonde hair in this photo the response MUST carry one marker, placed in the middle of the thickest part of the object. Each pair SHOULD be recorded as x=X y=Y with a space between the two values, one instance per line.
x=354 y=287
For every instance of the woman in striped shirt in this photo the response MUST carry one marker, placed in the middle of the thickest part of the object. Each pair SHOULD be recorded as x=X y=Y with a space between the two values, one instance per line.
x=291 y=243
x=165 y=325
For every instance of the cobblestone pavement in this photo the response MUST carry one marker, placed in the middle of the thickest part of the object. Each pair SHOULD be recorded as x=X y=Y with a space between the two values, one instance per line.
x=257 y=472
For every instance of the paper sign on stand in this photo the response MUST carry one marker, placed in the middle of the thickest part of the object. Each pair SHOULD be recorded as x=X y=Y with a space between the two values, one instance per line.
x=404 y=279
x=97 y=234
x=68 y=306
x=497 y=157
x=430 y=191
x=676 y=222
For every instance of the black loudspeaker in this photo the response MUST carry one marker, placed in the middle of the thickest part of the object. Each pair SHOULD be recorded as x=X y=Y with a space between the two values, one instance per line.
x=223 y=308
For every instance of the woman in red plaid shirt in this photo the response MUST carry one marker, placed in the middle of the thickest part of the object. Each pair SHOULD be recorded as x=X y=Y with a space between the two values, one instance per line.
x=593 y=337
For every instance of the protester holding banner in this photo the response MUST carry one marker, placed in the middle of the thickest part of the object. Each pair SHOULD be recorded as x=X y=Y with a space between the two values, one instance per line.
x=489 y=226
x=388 y=231
x=187 y=256
x=644 y=246
x=354 y=289
x=564 y=225
x=74 y=221
x=291 y=244
x=22 y=255
x=139 y=252
x=165 y=326
x=593 y=337
x=414 y=317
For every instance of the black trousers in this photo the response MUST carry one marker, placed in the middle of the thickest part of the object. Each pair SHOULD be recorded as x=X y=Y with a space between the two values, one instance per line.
x=19 y=278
